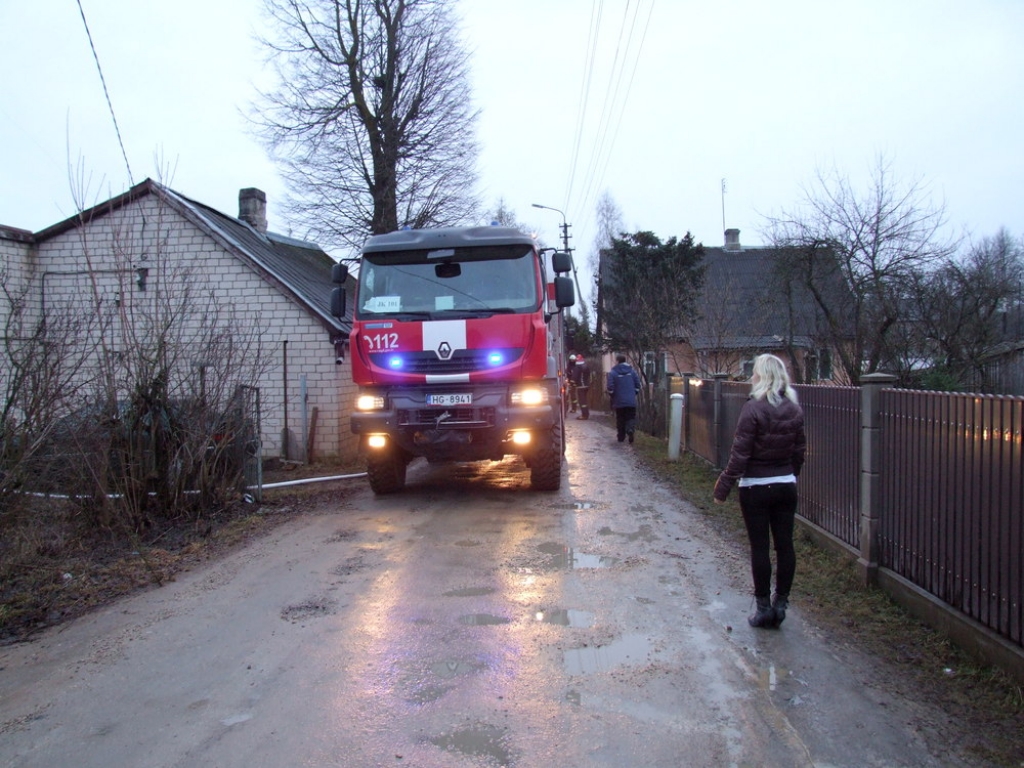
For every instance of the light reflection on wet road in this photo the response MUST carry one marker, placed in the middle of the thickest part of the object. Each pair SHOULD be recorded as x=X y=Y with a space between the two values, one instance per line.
x=465 y=622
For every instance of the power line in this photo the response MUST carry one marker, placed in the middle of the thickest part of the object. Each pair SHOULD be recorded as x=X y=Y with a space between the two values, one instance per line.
x=106 y=93
x=588 y=71
x=594 y=190
x=612 y=110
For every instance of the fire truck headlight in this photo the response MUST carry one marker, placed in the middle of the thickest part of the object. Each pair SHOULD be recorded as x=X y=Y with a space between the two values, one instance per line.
x=532 y=396
x=370 y=403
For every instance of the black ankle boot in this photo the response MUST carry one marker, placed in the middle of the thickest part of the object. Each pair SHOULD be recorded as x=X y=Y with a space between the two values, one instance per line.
x=764 y=615
x=779 y=605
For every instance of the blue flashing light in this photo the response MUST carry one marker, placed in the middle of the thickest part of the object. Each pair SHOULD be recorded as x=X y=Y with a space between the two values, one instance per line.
x=395 y=362
x=496 y=358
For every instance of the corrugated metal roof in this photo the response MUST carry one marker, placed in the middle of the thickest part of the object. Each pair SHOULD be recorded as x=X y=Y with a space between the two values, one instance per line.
x=301 y=269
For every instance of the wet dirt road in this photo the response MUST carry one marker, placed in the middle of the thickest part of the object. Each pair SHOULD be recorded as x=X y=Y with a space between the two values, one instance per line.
x=465 y=622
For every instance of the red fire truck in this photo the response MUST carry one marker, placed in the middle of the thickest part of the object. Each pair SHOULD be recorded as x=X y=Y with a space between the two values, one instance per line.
x=458 y=349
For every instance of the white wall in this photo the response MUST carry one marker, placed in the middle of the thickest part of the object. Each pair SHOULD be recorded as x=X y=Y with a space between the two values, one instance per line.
x=102 y=260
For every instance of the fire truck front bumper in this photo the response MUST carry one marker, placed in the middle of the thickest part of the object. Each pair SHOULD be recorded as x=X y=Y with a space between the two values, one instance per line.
x=486 y=424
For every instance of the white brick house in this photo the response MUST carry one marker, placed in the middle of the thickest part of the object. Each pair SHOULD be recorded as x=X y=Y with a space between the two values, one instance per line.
x=143 y=243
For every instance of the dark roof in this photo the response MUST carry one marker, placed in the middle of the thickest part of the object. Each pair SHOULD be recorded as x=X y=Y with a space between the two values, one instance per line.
x=748 y=342
x=299 y=269
x=745 y=280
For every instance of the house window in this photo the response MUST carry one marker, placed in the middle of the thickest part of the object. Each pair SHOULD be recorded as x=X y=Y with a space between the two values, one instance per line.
x=748 y=368
x=824 y=363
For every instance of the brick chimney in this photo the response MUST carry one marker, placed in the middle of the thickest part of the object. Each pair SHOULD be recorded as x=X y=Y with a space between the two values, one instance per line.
x=732 y=240
x=252 y=208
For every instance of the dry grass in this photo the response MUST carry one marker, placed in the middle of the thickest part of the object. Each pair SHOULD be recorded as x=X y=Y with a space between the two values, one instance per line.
x=54 y=567
x=988 y=703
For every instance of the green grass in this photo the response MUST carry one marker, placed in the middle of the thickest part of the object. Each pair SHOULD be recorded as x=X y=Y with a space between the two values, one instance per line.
x=830 y=595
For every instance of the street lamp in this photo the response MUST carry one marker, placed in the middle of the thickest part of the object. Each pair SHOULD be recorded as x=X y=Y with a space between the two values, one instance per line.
x=565 y=227
x=565 y=243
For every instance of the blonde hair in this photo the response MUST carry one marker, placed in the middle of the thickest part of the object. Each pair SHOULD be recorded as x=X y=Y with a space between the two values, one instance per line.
x=772 y=380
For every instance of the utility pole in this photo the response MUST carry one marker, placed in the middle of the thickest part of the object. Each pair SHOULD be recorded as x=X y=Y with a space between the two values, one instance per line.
x=565 y=246
x=563 y=226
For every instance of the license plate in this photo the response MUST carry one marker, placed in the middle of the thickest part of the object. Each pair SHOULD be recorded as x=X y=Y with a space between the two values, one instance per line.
x=453 y=399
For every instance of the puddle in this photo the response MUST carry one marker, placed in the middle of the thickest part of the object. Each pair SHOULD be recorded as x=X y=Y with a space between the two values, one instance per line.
x=576 y=505
x=468 y=592
x=342 y=535
x=310 y=609
x=482 y=740
x=454 y=668
x=566 y=617
x=567 y=558
x=427 y=694
x=628 y=649
x=772 y=677
x=645 y=533
x=482 y=619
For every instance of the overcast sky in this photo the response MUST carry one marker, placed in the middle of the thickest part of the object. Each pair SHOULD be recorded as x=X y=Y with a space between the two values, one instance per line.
x=653 y=101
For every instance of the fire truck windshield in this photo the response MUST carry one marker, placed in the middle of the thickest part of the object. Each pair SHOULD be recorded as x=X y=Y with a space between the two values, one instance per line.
x=469 y=281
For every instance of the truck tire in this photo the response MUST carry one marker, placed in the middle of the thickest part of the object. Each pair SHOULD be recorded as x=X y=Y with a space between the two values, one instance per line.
x=546 y=467
x=386 y=470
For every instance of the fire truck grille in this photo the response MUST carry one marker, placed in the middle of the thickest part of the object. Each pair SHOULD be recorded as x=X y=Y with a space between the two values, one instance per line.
x=461 y=361
x=457 y=418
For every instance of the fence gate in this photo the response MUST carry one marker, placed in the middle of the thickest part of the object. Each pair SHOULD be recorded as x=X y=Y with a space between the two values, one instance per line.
x=248 y=443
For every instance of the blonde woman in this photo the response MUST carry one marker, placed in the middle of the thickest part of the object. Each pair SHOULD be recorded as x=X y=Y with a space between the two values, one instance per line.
x=766 y=458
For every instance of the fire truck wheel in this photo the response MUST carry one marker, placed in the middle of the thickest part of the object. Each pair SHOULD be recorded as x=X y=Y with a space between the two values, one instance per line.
x=386 y=470
x=546 y=467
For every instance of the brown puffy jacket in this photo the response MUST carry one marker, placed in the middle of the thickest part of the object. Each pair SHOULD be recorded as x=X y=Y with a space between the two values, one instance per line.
x=769 y=442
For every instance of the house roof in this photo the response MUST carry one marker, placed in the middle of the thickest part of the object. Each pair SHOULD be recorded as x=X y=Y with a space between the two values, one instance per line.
x=299 y=269
x=742 y=280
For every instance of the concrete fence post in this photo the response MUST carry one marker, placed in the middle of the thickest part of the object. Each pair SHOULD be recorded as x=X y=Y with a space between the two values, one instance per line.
x=870 y=481
x=719 y=438
x=675 y=425
x=684 y=435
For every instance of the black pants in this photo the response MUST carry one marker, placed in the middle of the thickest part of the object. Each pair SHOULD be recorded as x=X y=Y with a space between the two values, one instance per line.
x=582 y=397
x=768 y=511
x=625 y=421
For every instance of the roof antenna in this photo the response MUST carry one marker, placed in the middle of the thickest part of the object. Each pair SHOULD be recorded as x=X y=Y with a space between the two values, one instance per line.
x=723 y=205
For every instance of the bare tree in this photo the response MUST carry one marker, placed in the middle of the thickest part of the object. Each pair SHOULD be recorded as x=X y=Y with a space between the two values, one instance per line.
x=372 y=119
x=41 y=366
x=609 y=226
x=506 y=217
x=961 y=309
x=173 y=355
x=856 y=252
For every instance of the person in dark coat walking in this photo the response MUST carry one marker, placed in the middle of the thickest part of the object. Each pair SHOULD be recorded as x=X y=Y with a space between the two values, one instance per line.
x=766 y=457
x=623 y=386
x=579 y=379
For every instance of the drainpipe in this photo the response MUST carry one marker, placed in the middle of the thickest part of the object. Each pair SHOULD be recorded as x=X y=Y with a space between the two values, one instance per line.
x=284 y=390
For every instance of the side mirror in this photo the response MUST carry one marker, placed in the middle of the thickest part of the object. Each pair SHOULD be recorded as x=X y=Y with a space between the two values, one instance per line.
x=561 y=261
x=565 y=293
x=339 y=274
x=338 y=303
